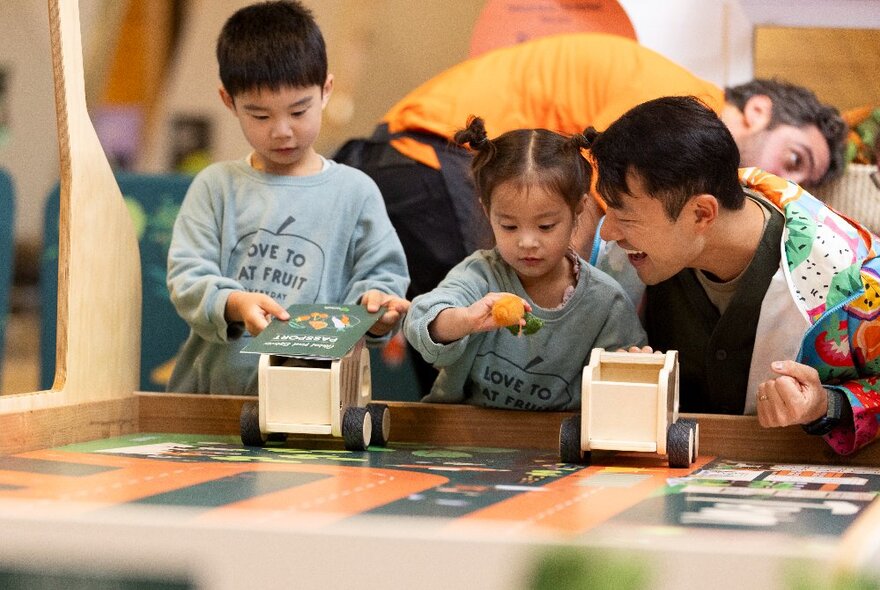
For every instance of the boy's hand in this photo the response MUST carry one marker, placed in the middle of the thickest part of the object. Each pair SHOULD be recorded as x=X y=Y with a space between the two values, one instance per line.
x=254 y=310
x=454 y=323
x=395 y=309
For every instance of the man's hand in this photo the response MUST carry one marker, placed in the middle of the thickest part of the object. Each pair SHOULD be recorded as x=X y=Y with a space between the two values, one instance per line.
x=395 y=309
x=795 y=397
x=254 y=310
x=643 y=349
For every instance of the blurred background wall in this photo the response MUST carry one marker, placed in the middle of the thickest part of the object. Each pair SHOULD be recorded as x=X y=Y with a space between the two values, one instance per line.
x=151 y=70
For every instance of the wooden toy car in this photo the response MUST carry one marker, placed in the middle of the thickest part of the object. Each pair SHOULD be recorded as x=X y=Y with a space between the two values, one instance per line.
x=629 y=402
x=302 y=396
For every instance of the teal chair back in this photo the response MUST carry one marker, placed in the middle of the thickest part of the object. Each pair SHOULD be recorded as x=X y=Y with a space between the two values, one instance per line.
x=7 y=252
x=153 y=201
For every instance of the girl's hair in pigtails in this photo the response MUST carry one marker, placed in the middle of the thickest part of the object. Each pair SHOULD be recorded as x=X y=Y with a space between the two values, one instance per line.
x=580 y=141
x=590 y=135
x=474 y=135
x=523 y=158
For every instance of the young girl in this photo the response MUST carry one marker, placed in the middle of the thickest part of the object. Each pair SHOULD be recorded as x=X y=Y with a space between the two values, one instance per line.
x=532 y=184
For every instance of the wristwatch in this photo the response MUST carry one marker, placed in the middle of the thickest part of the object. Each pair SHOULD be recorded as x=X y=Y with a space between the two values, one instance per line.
x=828 y=422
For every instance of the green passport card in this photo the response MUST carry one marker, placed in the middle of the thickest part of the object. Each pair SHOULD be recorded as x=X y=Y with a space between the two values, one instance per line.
x=315 y=331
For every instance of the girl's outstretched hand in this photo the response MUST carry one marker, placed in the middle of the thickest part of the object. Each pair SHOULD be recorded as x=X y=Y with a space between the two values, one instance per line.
x=454 y=323
x=497 y=310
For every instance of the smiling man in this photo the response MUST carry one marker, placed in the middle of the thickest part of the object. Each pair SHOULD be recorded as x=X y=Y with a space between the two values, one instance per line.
x=771 y=298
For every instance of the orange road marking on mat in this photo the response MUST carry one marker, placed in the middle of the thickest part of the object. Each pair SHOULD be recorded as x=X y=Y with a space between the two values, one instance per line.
x=348 y=491
x=571 y=505
x=140 y=479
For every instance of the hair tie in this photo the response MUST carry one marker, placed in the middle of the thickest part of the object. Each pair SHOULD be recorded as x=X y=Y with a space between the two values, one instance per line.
x=591 y=135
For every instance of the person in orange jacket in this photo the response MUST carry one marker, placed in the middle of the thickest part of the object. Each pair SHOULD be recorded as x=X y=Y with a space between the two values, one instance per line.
x=564 y=83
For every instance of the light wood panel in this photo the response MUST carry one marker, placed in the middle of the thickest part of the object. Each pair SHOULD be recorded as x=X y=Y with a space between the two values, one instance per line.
x=839 y=65
x=99 y=291
x=53 y=427
x=735 y=437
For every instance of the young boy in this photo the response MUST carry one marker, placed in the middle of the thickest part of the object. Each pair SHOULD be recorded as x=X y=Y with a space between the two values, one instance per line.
x=282 y=226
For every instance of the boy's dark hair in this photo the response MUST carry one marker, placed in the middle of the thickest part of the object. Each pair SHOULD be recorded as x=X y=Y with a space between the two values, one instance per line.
x=270 y=45
x=678 y=148
x=797 y=106
x=527 y=157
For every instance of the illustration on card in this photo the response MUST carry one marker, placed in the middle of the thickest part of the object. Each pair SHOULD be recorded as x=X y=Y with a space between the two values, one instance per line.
x=319 y=330
x=318 y=321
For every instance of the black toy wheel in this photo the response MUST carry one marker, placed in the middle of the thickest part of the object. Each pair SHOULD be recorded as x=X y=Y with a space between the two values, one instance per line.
x=380 y=418
x=570 y=441
x=249 y=424
x=680 y=444
x=695 y=426
x=356 y=428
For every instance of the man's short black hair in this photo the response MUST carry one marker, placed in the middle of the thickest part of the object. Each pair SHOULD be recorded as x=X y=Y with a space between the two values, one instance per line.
x=270 y=45
x=799 y=107
x=678 y=148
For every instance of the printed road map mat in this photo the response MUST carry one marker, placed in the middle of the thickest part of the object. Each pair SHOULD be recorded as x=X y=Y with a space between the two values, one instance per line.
x=792 y=499
x=217 y=478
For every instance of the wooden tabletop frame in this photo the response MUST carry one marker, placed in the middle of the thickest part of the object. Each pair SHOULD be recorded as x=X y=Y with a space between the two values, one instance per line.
x=734 y=437
x=99 y=290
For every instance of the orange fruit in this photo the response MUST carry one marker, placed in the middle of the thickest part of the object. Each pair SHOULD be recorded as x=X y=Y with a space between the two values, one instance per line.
x=508 y=310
